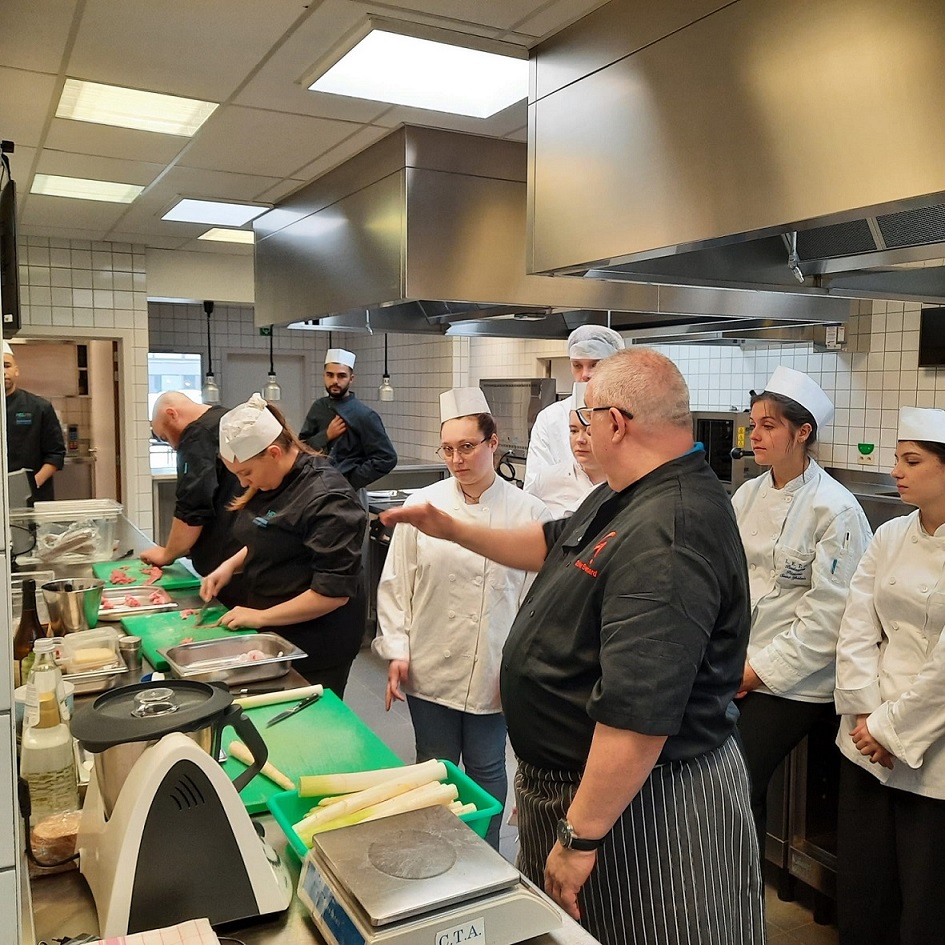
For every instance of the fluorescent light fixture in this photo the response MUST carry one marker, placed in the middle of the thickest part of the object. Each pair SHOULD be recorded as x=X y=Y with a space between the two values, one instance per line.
x=132 y=108
x=81 y=189
x=213 y=212
x=423 y=73
x=228 y=236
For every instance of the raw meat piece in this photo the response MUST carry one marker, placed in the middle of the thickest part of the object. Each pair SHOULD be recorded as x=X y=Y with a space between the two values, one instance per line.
x=107 y=604
x=132 y=601
x=120 y=576
x=155 y=573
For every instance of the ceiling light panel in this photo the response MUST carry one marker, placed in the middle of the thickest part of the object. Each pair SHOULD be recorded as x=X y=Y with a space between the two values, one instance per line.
x=422 y=73
x=228 y=236
x=80 y=188
x=213 y=213
x=132 y=108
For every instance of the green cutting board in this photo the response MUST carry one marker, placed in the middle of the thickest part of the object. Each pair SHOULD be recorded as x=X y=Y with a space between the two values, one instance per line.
x=175 y=578
x=323 y=738
x=158 y=631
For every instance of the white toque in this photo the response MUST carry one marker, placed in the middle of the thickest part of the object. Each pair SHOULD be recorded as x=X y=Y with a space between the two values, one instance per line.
x=247 y=430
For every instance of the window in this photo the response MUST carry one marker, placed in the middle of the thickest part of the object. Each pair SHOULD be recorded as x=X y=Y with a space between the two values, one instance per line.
x=166 y=372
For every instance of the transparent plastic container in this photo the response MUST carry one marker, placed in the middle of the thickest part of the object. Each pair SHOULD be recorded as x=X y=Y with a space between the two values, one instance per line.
x=71 y=531
x=87 y=651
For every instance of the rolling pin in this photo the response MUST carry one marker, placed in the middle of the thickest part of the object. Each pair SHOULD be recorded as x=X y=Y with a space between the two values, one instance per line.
x=281 y=695
x=241 y=753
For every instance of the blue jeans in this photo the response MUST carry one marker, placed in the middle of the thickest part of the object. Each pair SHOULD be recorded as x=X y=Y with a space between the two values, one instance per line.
x=477 y=740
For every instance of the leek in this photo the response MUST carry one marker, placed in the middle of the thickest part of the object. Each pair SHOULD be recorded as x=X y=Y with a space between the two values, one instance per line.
x=320 y=785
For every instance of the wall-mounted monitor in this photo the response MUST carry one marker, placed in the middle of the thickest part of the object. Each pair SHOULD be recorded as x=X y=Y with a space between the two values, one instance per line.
x=9 y=264
x=932 y=338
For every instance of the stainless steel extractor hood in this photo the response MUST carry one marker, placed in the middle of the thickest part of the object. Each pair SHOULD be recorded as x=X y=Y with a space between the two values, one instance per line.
x=708 y=132
x=425 y=231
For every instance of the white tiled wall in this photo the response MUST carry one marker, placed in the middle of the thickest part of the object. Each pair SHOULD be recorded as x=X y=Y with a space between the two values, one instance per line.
x=79 y=289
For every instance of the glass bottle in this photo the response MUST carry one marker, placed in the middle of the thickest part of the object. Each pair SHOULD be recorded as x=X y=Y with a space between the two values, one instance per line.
x=47 y=762
x=28 y=631
x=45 y=676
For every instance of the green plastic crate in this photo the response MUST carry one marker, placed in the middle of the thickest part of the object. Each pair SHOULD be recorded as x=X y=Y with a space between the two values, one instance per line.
x=288 y=808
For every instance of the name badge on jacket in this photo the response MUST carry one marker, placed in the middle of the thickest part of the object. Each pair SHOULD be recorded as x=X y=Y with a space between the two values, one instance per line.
x=23 y=418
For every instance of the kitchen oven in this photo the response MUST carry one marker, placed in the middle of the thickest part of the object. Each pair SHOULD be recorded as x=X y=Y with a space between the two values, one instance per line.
x=724 y=434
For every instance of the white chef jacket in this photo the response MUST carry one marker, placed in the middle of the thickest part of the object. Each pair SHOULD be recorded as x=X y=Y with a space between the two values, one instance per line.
x=802 y=543
x=447 y=609
x=891 y=656
x=550 y=442
x=562 y=487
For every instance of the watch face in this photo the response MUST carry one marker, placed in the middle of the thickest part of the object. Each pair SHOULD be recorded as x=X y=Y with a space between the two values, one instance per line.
x=564 y=833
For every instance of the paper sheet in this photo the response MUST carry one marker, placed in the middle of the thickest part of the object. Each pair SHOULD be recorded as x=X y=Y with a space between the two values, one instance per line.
x=194 y=932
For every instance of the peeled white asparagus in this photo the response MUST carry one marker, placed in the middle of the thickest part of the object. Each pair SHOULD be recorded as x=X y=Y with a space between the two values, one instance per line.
x=282 y=695
x=319 y=785
x=239 y=751
x=405 y=780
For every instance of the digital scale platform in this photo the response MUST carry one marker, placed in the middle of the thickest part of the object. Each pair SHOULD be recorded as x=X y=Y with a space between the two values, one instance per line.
x=420 y=878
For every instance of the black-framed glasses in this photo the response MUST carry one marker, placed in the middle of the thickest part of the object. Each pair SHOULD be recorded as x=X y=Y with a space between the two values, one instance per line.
x=464 y=449
x=584 y=413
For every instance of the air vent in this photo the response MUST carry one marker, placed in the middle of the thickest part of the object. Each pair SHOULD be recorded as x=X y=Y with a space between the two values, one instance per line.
x=913 y=227
x=186 y=793
x=838 y=239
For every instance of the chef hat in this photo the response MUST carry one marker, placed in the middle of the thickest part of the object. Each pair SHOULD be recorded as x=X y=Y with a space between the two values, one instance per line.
x=804 y=391
x=339 y=356
x=247 y=430
x=7 y=349
x=462 y=402
x=593 y=341
x=922 y=423
x=577 y=392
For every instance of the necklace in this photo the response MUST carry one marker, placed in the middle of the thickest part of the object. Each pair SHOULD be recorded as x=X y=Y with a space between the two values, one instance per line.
x=470 y=499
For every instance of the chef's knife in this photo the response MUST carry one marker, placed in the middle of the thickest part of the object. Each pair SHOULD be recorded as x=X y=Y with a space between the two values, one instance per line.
x=311 y=700
x=201 y=616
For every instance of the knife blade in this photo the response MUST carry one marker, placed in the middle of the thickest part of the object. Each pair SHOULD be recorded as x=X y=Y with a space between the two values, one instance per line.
x=311 y=700
x=201 y=616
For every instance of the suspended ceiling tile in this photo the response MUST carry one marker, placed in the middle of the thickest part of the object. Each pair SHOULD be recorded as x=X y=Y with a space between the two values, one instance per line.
x=218 y=248
x=24 y=104
x=92 y=167
x=280 y=191
x=61 y=232
x=34 y=33
x=502 y=15
x=86 y=214
x=20 y=163
x=199 y=49
x=552 y=17
x=147 y=239
x=497 y=125
x=337 y=155
x=85 y=137
x=213 y=185
x=253 y=141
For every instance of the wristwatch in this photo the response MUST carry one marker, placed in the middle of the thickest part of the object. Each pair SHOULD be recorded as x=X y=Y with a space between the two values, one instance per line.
x=569 y=841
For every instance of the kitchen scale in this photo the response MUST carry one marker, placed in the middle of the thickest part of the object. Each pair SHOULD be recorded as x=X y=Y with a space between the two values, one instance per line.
x=419 y=878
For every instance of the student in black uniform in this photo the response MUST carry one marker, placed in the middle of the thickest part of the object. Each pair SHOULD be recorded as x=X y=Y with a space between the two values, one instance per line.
x=301 y=526
x=34 y=435
x=202 y=527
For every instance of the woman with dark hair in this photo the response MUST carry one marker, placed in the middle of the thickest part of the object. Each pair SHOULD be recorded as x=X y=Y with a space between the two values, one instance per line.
x=891 y=694
x=302 y=526
x=443 y=612
x=804 y=535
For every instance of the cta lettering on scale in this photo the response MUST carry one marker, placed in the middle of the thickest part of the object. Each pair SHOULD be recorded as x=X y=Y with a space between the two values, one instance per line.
x=472 y=931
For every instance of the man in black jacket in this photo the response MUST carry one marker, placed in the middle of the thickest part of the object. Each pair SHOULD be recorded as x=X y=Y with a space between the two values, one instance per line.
x=34 y=434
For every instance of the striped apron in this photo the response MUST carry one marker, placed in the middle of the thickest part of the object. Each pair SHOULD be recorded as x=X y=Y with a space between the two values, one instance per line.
x=680 y=864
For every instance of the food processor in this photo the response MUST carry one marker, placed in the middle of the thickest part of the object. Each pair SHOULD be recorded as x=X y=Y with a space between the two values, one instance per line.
x=163 y=835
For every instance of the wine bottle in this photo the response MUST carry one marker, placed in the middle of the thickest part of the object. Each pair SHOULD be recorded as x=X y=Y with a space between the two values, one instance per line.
x=28 y=631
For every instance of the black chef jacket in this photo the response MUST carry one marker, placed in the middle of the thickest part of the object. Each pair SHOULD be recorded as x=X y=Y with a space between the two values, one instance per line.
x=307 y=534
x=34 y=437
x=204 y=489
x=638 y=619
x=364 y=452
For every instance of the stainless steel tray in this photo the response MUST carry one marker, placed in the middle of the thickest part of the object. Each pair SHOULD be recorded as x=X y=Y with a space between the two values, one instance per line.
x=98 y=680
x=229 y=659
x=140 y=592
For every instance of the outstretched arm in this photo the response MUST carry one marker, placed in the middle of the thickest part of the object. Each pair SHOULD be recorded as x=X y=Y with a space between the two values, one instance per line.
x=523 y=548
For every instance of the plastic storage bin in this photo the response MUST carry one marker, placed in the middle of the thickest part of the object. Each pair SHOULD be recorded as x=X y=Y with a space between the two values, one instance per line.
x=288 y=808
x=69 y=532
x=89 y=651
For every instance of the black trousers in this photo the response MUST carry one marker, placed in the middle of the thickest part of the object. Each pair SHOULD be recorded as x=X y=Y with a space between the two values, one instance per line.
x=770 y=728
x=890 y=863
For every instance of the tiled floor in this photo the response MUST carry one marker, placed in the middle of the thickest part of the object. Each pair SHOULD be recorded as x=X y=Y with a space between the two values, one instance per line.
x=789 y=923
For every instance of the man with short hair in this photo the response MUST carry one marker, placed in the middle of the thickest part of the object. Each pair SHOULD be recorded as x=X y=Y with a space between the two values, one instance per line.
x=34 y=434
x=346 y=430
x=618 y=678
x=549 y=443
x=202 y=523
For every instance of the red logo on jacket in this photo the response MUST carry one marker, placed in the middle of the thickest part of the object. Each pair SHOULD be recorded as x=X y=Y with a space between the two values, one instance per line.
x=598 y=548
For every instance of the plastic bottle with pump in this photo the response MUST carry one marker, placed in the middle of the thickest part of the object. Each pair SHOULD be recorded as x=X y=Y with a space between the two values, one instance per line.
x=44 y=676
x=28 y=631
x=47 y=762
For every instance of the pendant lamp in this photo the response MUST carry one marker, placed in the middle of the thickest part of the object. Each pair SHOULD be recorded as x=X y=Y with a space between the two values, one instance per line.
x=385 y=391
x=272 y=391
x=211 y=393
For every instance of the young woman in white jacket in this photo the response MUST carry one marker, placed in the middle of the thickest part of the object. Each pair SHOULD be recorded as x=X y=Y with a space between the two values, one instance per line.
x=804 y=535
x=891 y=694
x=443 y=612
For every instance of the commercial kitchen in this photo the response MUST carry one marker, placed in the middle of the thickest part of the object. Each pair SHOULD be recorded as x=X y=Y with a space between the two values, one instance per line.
x=740 y=185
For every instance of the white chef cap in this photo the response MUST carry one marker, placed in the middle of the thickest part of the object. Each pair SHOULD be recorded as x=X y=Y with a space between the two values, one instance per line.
x=577 y=392
x=462 y=402
x=7 y=349
x=922 y=423
x=339 y=356
x=593 y=341
x=800 y=388
x=247 y=430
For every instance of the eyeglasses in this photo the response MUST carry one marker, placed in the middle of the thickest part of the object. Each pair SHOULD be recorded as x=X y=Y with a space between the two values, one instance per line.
x=584 y=413
x=464 y=449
